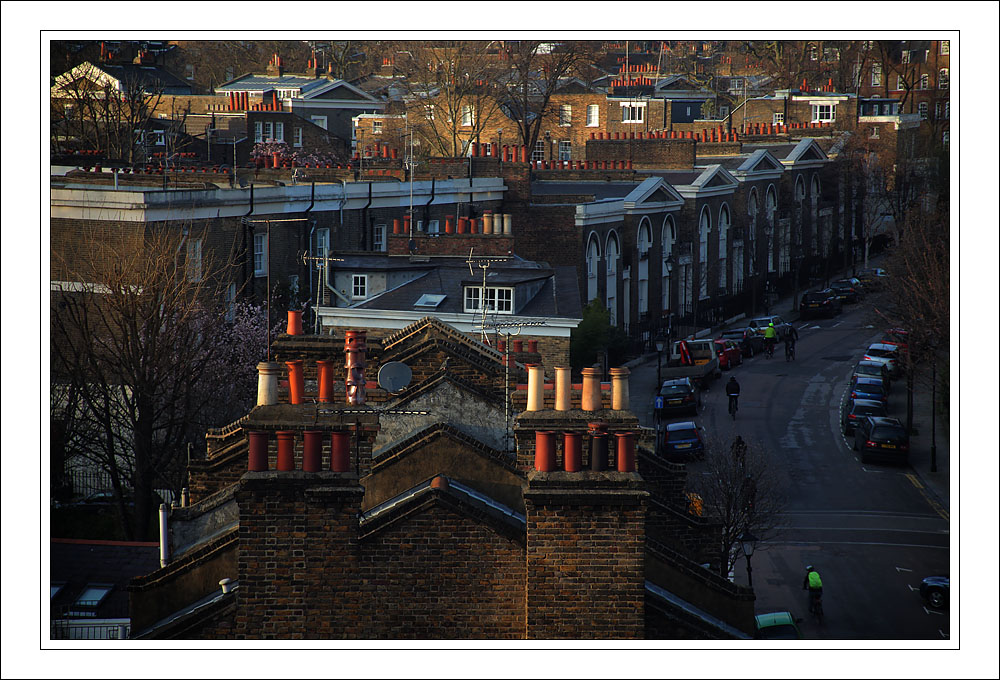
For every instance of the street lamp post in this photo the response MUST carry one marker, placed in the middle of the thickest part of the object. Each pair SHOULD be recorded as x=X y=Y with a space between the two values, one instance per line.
x=748 y=543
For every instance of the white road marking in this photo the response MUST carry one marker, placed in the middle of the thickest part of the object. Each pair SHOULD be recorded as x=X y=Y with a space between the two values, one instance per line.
x=903 y=569
x=943 y=634
x=931 y=611
x=912 y=589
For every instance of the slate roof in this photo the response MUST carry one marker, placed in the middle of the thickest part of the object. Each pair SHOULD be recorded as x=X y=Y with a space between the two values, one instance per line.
x=558 y=297
x=599 y=190
x=78 y=563
x=265 y=82
x=151 y=77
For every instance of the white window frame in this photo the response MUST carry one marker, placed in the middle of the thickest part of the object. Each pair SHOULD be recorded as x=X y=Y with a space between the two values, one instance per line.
x=924 y=81
x=192 y=261
x=377 y=127
x=297 y=136
x=943 y=79
x=322 y=243
x=818 y=113
x=319 y=121
x=922 y=110
x=499 y=300
x=906 y=57
x=900 y=83
x=593 y=115
x=279 y=131
x=258 y=131
x=778 y=118
x=359 y=286
x=260 y=254
x=468 y=115
x=565 y=150
x=429 y=111
x=874 y=133
x=633 y=113
x=945 y=47
x=876 y=75
x=565 y=115
x=538 y=153
x=433 y=227
x=378 y=237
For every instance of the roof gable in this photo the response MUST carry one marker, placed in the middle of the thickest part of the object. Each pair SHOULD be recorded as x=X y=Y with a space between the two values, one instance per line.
x=805 y=151
x=653 y=191
x=760 y=161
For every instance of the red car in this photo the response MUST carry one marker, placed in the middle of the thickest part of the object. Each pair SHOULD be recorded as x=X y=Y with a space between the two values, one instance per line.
x=729 y=353
x=897 y=336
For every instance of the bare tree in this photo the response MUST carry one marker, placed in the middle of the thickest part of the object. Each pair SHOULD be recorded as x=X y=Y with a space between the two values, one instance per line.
x=104 y=113
x=449 y=87
x=533 y=74
x=741 y=492
x=135 y=345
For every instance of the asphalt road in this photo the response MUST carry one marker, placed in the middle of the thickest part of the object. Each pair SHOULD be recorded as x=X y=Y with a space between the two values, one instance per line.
x=870 y=530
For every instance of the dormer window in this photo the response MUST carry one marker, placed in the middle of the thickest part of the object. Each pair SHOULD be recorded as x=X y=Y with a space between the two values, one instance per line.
x=499 y=300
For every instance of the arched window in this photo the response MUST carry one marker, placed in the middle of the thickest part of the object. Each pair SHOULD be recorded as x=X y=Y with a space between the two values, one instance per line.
x=593 y=265
x=644 y=240
x=704 y=229
x=817 y=236
x=770 y=228
x=667 y=238
x=612 y=250
x=943 y=79
x=724 y=224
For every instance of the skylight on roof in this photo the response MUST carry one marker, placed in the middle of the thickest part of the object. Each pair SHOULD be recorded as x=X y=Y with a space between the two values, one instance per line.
x=429 y=300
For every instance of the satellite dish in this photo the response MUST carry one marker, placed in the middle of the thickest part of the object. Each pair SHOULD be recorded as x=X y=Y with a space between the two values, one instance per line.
x=394 y=376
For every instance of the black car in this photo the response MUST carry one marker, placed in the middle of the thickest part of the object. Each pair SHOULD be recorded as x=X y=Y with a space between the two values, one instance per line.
x=848 y=291
x=935 y=591
x=820 y=303
x=859 y=408
x=676 y=395
x=751 y=342
x=884 y=438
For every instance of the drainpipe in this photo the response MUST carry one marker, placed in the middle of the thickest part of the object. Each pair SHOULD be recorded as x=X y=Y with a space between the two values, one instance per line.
x=246 y=245
x=367 y=218
x=427 y=212
x=309 y=237
x=164 y=537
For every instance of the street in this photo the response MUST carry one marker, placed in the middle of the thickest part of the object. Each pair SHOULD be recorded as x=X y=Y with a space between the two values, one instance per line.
x=872 y=531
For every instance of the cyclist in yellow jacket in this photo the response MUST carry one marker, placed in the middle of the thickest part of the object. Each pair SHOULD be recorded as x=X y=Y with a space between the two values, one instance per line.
x=770 y=337
x=814 y=584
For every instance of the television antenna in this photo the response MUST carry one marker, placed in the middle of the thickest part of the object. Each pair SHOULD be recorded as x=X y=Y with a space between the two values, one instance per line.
x=322 y=262
x=484 y=263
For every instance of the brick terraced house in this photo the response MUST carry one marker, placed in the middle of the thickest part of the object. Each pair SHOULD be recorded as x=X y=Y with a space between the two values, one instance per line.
x=341 y=510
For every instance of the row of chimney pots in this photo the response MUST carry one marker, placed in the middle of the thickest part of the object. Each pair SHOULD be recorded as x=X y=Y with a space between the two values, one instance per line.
x=545 y=450
x=497 y=224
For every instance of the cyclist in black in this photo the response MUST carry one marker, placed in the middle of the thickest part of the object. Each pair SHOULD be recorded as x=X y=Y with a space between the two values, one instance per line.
x=791 y=335
x=733 y=391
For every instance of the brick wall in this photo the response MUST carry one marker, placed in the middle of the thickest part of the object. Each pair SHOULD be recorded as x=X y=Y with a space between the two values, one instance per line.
x=585 y=551
x=645 y=153
x=440 y=574
x=451 y=244
x=299 y=555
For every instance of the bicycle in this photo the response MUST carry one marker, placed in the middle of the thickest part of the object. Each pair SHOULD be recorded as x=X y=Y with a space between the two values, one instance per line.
x=816 y=604
x=789 y=352
x=769 y=349
x=733 y=405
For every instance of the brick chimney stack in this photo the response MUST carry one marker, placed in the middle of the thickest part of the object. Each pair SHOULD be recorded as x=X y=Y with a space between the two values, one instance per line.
x=586 y=535
x=276 y=67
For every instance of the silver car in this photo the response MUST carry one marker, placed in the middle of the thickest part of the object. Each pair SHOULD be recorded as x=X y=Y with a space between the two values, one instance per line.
x=887 y=355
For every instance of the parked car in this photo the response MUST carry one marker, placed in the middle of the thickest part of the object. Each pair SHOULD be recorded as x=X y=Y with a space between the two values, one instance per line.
x=873 y=278
x=820 y=303
x=859 y=408
x=729 y=353
x=780 y=325
x=872 y=369
x=692 y=358
x=885 y=354
x=776 y=626
x=900 y=337
x=869 y=388
x=683 y=441
x=935 y=590
x=750 y=341
x=877 y=437
x=678 y=394
x=848 y=291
